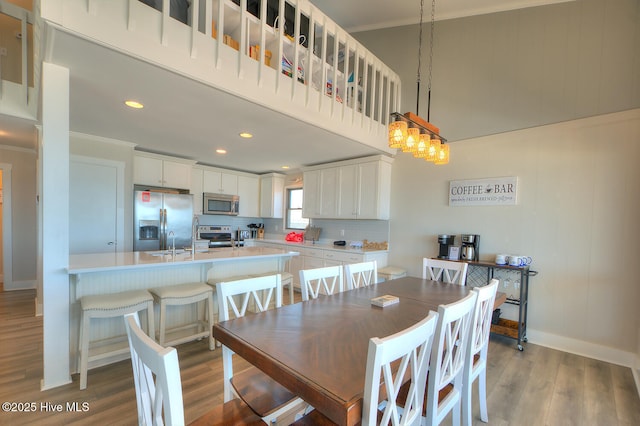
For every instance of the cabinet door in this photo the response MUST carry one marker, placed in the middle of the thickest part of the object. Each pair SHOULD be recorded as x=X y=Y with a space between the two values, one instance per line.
x=329 y=193
x=176 y=175
x=249 y=193
x=271 y=196
x=147 y=171
x=368 y=191
x=311 y=194
x=220 y=183
x=348 y=194
x=196 y=190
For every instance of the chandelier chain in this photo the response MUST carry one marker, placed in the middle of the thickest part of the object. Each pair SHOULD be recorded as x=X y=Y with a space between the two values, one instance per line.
x=433 y=19
x=419 y=59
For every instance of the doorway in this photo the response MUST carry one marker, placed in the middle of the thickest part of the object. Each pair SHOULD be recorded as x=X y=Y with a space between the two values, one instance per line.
x=6 y=261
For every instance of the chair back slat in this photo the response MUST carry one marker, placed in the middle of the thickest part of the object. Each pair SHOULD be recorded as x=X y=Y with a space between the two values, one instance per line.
x=444 y=270
x=156 y=375
x=235 y=296
x=448 y=357
x=361 y=274
x=328 y=279
x=389 y=361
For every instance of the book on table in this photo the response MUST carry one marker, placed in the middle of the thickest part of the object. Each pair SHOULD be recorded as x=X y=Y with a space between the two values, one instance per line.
x=385 y=300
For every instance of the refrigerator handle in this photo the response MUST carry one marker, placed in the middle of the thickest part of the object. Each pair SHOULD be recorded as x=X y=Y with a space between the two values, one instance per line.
x=162 y=233
x=166 y=240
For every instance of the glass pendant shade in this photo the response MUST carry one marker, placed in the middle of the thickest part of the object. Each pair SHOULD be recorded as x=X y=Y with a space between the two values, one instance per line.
x=413 y=137
x=423 y=146
x=443 y=155
x=397 y=134
x=432 y=151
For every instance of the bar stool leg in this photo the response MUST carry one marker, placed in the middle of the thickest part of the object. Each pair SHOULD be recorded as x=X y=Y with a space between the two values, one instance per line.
x=163 y=322
x=84 y=349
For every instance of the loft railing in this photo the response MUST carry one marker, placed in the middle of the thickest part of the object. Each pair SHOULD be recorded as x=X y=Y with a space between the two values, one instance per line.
x=283 y=54
x=325 y=58
x=16 y=53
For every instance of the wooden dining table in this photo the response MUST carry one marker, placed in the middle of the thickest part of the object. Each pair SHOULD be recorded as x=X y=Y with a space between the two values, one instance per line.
x=318 y=349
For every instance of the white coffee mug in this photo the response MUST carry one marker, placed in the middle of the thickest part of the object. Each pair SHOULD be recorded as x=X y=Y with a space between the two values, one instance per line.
x=501 y=259
x=514 y=261
x=525 y=260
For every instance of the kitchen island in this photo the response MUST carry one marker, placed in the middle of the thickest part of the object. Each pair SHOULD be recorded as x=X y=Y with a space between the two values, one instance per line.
x=103 y=273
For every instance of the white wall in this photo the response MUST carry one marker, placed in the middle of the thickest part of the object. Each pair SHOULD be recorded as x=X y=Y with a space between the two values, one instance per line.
x=23 y=214
x=576 y=216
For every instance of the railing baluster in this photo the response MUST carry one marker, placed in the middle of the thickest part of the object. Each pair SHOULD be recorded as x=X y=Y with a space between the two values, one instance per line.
x=195 y=17
x=25 y=63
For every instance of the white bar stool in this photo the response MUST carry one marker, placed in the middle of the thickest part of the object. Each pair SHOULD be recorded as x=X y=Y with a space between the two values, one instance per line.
x=109 y=306
x=185 y=294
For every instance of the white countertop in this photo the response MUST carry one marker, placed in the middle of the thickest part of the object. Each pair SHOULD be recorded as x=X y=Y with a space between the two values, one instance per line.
x=100 y=262
x=324 y=245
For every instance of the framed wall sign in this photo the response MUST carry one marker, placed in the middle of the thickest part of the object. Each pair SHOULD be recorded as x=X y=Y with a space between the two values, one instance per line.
x=484 y=192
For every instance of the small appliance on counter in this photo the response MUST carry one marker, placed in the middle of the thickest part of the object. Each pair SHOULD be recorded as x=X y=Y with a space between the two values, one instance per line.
x=470 y=247
x=253 y=230
x=445 y=241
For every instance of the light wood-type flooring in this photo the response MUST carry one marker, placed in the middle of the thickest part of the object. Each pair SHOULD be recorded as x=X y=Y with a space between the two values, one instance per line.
x=538 y=386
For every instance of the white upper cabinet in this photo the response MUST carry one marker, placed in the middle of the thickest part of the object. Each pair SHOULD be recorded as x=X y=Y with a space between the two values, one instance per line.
x=196 y=190
x=219 y=182
x=162 y=171
x=249 y=193
x=271 y=195
x=321 y=193
x=353 y=189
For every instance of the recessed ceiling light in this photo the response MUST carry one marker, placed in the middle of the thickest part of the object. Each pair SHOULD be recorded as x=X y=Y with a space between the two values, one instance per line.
x=285 y=167
x=221 y=151
x=133 y=104
x=246 y=135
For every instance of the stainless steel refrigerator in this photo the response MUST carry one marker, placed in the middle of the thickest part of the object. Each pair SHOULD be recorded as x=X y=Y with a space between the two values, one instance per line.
x=156 y=215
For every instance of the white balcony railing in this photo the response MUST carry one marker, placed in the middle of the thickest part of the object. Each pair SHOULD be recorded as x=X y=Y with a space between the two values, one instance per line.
x=283 y=54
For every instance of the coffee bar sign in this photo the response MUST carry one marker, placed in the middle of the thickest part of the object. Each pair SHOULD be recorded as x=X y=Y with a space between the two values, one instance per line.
x=484 y=192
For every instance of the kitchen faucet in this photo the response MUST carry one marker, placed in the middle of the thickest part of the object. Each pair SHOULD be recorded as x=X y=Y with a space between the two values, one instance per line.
x=194 y=231
x=172 y=235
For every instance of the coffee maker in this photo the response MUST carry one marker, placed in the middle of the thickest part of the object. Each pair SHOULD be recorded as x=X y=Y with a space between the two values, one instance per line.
x=445 y=241
x=470 y=247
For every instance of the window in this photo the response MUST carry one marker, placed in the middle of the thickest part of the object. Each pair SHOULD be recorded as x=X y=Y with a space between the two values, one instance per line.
x=294 y=209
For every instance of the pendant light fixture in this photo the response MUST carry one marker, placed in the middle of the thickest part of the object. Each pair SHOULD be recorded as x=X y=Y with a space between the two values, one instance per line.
x=409 y=132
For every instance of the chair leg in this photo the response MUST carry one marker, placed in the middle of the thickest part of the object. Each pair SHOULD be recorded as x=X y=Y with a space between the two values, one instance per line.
x=482 y=393
x=84 y=349
x=456 y=413
x=467 y=393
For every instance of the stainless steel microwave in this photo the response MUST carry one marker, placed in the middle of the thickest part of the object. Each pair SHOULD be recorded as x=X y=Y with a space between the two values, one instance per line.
x=220 y=204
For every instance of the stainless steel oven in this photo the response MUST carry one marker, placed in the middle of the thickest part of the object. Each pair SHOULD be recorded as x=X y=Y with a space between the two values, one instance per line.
x=217 y=235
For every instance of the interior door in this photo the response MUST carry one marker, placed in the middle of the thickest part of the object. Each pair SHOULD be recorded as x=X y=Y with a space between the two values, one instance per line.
x=92 y=207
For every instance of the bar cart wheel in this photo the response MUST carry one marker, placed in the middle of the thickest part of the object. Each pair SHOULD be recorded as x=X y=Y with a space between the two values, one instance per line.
x=520 y=348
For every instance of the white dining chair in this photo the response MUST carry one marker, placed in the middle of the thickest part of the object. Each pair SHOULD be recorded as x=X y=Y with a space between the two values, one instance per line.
x=447 y=360
x=390 y=360
x=156 y=375
x=361 y=274
x=234 y=298
x=327 y=280
x=475 y=366
x=447 y=271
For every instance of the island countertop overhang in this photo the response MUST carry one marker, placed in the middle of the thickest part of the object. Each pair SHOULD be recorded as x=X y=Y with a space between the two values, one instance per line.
x=102 y=262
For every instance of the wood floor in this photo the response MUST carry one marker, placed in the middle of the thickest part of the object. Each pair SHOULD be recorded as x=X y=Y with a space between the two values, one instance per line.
x=539 y=386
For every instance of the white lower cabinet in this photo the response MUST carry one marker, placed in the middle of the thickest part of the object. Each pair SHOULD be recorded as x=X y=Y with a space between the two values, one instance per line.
x=320 y=257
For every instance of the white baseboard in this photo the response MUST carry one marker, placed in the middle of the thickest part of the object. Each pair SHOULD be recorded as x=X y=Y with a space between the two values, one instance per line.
x=20 y=285
x=579 y=347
